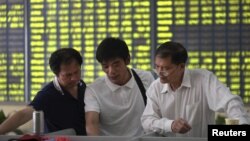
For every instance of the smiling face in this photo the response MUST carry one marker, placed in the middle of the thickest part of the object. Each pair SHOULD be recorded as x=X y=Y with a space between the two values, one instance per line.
x=116 y=70
x=167 y=71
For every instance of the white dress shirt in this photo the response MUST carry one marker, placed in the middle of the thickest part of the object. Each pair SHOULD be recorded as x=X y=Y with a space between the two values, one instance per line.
x=120 y=107
x=196 y=100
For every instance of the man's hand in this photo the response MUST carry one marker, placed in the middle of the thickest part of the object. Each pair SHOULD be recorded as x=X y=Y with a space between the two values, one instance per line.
x=180 y=126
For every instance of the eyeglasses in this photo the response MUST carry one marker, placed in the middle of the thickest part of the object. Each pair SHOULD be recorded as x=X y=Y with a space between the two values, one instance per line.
x=161 y=73
x=164 y=73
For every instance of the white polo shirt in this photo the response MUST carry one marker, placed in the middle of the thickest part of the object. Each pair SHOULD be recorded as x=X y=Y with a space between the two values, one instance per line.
x=119 y=107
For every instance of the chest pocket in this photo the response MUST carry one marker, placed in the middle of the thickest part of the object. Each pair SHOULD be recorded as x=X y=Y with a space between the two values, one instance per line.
x=194 y=117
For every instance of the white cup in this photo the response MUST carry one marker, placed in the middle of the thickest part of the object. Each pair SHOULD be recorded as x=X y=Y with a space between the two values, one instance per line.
x=231 y=121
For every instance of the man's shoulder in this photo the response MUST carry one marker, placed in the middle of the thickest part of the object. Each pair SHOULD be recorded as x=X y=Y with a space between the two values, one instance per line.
x=144 y=74
x=46 y=94
x=157 y=83
x=139 y=71
x=201 y=74
x=97 y=82
x=48 y=88
x=199 y=71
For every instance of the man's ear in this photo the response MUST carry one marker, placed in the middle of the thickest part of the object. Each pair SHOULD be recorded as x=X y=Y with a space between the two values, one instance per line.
x=127 y=61
x=182 y=65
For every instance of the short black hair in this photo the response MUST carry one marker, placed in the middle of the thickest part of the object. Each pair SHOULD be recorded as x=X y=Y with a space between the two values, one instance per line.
x=63 y=56
x=111 y=48
x=174 y=50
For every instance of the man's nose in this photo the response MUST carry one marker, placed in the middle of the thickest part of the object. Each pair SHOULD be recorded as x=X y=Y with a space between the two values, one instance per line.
x=74 y=77
x=160 y=69
x=162 y=72
x=111 y=70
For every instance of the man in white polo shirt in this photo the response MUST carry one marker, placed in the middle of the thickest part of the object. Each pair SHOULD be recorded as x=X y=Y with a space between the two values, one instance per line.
x=115 y=102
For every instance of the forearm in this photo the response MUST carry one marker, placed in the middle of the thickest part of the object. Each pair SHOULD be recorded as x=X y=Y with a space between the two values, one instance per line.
x=92 y=130
x=92 y=123
x=14 y=121
x=159 y=125
x=235 y=109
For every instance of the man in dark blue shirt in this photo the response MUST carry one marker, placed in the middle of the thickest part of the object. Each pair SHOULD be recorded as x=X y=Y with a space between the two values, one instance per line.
x=61 y=100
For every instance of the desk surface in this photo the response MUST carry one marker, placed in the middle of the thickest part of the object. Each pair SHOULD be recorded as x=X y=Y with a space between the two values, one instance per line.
x=116 y=138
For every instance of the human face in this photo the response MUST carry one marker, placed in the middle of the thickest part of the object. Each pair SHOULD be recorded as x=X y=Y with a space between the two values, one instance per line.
x=167 y=71
x=69 y=75
x=116 y=70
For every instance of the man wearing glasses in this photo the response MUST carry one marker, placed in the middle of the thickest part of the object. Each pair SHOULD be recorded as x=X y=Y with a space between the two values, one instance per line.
x=182 y=102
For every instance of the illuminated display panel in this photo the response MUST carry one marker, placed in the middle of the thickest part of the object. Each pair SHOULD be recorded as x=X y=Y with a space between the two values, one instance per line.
x=140 y=41
x=217 y=38
x=164 y=20
x=83 y=25
x=37 y=49
x=88 y=41
x=12 y=50
x=216 y=34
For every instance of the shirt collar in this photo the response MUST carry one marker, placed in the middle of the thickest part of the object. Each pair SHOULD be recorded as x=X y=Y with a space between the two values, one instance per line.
x=114 y=87
x=58 y=87
x=186 y=82
x=165 y=89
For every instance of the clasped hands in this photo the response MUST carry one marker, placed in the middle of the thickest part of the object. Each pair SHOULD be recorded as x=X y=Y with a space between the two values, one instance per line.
x=180 y=126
